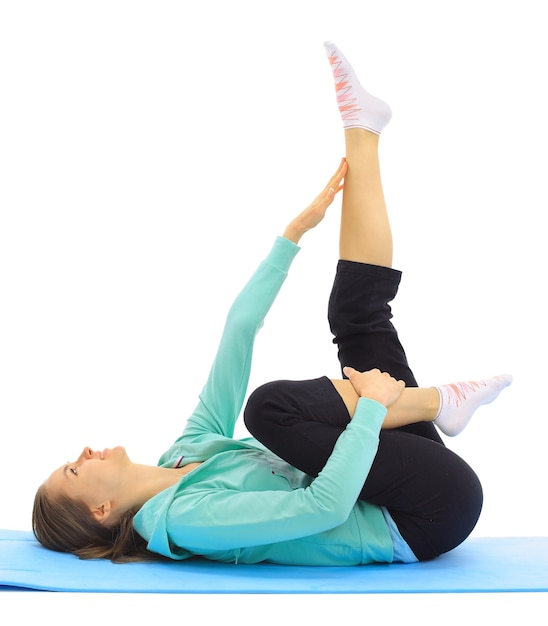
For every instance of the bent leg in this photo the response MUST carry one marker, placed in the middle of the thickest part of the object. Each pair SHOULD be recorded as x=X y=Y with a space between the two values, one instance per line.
x=431 y=494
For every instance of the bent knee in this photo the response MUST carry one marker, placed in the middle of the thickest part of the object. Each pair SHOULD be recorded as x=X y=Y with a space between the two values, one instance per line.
x=261 y=407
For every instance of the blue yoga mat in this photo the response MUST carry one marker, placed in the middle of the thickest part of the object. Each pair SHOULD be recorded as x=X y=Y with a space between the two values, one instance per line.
x=494 y=564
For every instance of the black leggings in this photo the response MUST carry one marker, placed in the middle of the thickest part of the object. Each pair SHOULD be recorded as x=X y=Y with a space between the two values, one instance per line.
x=432 y=495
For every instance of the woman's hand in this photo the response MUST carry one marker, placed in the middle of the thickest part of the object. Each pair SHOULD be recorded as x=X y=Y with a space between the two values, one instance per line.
x=315 y=211
x=376 y=385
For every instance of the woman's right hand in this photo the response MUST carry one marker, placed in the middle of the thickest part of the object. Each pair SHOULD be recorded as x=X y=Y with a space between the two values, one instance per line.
x=315 y=211
x=376 y=385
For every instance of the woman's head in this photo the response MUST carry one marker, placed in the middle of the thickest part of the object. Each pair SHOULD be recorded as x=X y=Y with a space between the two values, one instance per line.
x=80 y=509
x=96 y=479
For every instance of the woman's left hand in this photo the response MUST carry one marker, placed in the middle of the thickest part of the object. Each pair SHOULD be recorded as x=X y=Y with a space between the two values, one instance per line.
x=376 y=385
x=315 y=211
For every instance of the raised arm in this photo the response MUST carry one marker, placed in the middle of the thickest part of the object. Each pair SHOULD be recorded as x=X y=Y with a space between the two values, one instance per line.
x=223 y=395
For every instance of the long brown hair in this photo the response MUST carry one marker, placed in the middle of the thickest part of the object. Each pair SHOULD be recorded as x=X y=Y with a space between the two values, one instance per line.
x=65 y=525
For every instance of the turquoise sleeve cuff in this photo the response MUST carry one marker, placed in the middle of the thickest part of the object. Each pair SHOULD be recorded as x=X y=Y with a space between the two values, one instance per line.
x=371 y=413
x=282 y=253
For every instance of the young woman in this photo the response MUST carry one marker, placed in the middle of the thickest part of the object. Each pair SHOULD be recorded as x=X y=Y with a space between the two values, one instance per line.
x=339 y=472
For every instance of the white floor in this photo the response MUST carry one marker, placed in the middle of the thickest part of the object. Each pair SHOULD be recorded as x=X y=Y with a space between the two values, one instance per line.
x=408 y=609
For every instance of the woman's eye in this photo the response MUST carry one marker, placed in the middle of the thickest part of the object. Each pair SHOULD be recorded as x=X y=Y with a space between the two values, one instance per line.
x=74 y=470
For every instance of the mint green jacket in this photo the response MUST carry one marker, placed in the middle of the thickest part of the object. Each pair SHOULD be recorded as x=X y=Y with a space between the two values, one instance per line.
x=244 y=504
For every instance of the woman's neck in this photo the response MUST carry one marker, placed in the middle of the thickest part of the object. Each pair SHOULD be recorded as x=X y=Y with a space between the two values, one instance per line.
x=146 y=481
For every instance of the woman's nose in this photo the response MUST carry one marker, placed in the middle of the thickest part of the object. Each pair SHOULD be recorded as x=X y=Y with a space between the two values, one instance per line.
x=87 y=453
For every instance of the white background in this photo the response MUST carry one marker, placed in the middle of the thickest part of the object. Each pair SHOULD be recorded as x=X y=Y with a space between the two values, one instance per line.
x=151 y=151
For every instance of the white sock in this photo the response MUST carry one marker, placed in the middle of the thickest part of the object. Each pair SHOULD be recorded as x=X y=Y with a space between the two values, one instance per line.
x=358 y=108
x=459 y=401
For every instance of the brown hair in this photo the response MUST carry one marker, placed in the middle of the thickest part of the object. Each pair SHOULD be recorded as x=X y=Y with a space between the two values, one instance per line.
x=66 y=525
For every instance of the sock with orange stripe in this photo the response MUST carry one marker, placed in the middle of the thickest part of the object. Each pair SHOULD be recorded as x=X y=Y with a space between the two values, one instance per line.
x=459 y=401
x=358 y=108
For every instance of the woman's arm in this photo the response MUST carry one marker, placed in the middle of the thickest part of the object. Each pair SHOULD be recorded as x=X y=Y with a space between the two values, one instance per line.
x=225 y=519
x=223 y=395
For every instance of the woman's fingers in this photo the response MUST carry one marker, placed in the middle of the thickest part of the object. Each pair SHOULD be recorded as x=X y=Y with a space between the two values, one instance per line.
x=335 y=182
x=315 y=211
x=334 y=185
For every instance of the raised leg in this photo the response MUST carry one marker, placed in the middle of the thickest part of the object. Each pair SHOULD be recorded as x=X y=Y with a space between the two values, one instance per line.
x=359 y=313
x=365 y=233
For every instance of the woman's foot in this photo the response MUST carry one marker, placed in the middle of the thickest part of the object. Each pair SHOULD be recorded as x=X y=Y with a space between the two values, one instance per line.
x=459 y=401
x=358 y=108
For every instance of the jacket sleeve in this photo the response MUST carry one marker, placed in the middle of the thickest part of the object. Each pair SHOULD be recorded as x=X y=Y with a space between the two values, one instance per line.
x=223 y=519
x=222 y=397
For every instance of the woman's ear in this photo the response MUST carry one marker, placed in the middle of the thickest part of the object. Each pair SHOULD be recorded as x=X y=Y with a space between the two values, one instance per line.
x=102 y=512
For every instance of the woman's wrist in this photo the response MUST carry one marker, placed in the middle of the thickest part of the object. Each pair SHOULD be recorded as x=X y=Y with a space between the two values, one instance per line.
x=293 y=232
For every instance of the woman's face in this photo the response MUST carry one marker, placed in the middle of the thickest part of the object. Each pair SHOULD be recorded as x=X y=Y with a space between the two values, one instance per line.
x=94 y=478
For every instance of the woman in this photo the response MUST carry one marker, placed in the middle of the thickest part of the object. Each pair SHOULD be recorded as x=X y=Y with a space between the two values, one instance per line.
x=348 y=471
